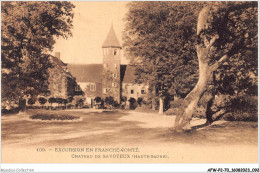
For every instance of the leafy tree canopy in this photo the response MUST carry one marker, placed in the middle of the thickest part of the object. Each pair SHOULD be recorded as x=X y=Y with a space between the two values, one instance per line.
x=235 y=24
x=42 y=100
x=28 y=31
x=159 y=40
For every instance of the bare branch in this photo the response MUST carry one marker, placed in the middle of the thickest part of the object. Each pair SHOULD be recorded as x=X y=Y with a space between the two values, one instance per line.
x=218 y=63
x=212 y=41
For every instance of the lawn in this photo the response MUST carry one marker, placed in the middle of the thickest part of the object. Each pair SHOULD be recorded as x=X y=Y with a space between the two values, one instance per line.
x=220 y=142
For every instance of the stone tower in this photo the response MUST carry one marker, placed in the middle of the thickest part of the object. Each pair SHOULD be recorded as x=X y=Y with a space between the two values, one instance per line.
x=111 y=84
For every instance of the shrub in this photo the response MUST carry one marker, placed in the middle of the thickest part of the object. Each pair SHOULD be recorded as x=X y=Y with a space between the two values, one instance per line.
x=31 y=101
x=242 y=108
x=235 y=108
x=53 y=117
x=59 y=100
x=65 y=101
x=98 y=99
x=42 y=100
x=123 y=99
x=109 y=101
x=70 y=99
x=140 y=101
x=240 y=117
x=133 y=103
x=51 y=100
x=176 y=103
x=145 y=109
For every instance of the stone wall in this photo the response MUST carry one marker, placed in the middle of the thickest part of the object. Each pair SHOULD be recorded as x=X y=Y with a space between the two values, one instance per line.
x=61 y=84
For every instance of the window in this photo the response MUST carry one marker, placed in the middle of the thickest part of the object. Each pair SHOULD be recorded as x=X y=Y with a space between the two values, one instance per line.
x=104 y=90
x=114 y=75
x=132 y=91
x=142 y=92
x=115 y=66
x=115 y=51
x=77 y=88
x=92 y=87
x=113 y=84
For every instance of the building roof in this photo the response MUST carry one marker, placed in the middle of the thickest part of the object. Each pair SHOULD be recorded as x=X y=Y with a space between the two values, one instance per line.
x=129 y=76
x=92 y=73
x=111 y=40
x=86 y=72
x=61 y=65
x=58 y=61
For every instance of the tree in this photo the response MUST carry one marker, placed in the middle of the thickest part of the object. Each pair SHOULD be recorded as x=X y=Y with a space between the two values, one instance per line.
x=227 y=32
x=158 y=39
x=31 y=101
x=65 y=101
x=42 y=101
x=28 y=31
x=123 y=100
x=80 y=102
x=157 y=31
x=140 y=101
x=52 y=100
x=132 y=103
x=109 y=101
x=59 y=101
x=98 y=101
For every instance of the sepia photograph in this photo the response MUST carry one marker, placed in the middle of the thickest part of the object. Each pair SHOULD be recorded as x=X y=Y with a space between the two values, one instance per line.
x=129 y=82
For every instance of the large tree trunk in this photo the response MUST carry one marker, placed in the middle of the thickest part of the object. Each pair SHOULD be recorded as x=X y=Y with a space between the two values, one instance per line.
x=153 y=99
x=161 y=106
x=153 y=104
x=209 y=112
x=190 y=102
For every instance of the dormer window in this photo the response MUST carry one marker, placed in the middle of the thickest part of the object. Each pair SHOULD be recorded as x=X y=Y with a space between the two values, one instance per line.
x=77 y=88
x=92 y=87
x=115 y=51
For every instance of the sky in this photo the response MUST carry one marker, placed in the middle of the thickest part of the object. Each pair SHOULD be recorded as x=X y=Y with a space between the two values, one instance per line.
x=92 y=21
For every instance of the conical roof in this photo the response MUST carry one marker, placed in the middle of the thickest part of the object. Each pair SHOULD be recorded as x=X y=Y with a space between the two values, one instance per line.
x=111 y=40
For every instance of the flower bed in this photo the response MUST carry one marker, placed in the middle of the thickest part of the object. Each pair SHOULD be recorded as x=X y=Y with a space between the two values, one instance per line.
x=54 y=117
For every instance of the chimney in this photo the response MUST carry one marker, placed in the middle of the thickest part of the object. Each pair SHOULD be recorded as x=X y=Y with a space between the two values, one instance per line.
x=57 y=55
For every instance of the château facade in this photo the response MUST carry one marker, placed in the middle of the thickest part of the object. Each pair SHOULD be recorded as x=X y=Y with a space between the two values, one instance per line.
x=111 y=78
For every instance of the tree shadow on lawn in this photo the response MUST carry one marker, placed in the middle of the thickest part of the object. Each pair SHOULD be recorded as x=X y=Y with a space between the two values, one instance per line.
x=130 y=135
x=222 y=133
x=99 y=128
x=93 y=124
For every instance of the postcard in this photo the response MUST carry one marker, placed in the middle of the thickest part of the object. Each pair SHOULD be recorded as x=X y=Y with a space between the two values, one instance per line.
x=129 y=82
